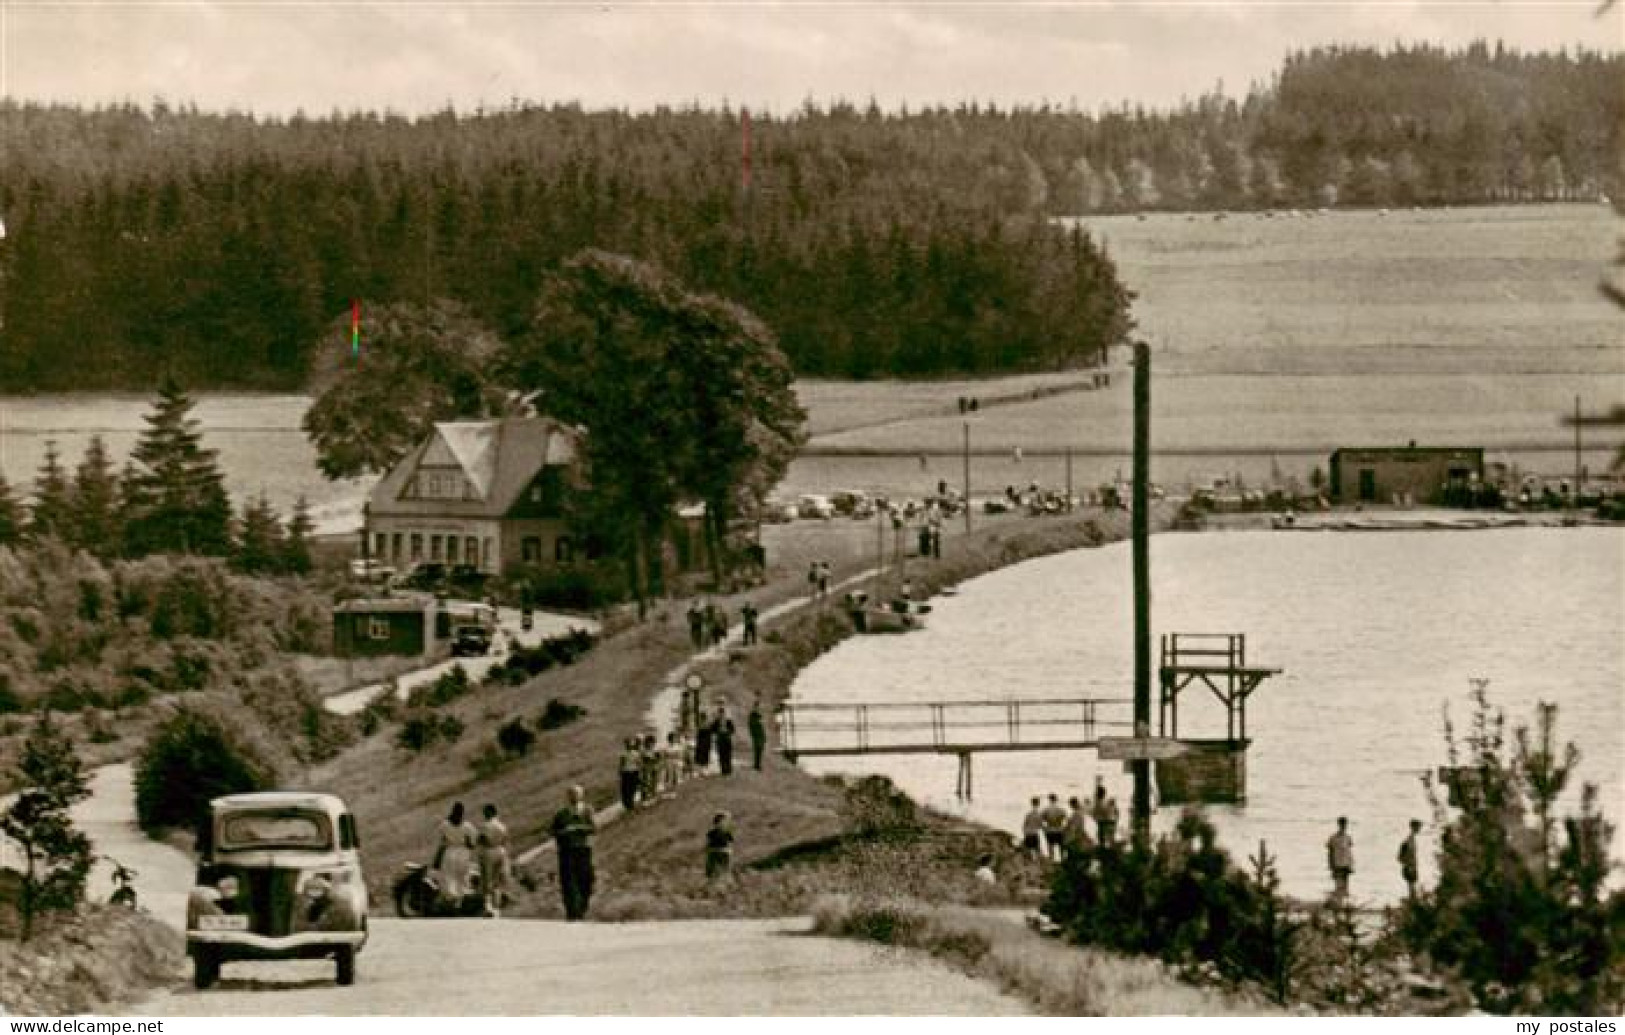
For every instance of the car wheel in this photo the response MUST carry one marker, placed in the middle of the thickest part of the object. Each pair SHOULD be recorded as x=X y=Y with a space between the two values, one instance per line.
x=410 y=899
x=346 y=964
x=205 y=969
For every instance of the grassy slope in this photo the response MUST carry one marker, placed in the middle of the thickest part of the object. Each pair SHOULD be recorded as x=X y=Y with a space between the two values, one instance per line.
x=400 y=798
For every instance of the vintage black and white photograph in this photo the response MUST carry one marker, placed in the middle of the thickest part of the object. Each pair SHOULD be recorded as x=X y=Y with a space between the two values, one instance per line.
x=710 y=509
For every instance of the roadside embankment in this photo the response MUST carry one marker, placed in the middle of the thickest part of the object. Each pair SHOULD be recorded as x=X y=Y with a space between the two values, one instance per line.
x=1057 y=978
x=651 y=861
x=101 y=956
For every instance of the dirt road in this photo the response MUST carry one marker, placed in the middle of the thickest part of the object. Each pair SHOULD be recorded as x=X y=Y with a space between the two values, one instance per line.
x=518 y=967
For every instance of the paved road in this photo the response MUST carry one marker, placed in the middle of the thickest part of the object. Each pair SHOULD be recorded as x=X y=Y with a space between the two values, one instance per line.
x=517 y=967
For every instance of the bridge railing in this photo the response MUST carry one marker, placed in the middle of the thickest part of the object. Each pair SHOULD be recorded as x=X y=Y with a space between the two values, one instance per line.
x=951 y=726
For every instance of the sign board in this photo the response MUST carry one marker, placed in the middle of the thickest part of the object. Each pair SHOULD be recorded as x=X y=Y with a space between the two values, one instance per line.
x=1137 y=749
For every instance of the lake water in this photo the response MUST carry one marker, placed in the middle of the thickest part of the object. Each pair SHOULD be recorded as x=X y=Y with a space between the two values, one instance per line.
x=1378 y=634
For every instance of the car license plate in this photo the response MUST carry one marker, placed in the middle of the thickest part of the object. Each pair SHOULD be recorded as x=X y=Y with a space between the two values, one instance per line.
x=222 y=922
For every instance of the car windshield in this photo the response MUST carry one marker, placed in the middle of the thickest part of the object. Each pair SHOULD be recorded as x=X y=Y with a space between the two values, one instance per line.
x=282 y=828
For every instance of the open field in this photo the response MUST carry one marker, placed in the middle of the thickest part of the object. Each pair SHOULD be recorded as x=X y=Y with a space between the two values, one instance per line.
x=1278 y=339
x=1524 y=276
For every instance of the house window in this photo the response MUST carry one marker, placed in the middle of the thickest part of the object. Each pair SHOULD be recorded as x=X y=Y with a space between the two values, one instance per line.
x=564 y=550
x=451 y=549
x=434 y=548
x=471 y=550
x=417 y=546
x=379 y=541
x=530 y=549
x=433 y=484
x=395 y=547
x=485 y=553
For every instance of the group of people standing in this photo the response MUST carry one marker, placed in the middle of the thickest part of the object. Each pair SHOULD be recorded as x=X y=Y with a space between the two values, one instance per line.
x=1340 y=859
x=708 y=625
x=1051 y=831
x=463 y=849
x=818 y=578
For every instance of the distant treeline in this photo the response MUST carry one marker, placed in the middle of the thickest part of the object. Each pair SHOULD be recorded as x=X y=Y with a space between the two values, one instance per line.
x=218 y=247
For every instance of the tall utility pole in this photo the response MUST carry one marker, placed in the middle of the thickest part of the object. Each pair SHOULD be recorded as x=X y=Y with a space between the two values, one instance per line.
x=1141 y=530
x=967 y=476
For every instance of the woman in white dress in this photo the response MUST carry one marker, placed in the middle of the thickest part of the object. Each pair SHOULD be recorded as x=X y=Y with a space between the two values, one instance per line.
x=454 y=855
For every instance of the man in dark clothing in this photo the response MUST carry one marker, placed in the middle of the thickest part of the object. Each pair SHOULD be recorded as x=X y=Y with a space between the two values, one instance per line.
x=702 y=744
x=936 y=543
x=758 y=733
x=1407 y=859
x=723 y=734
x=747 y=616
x=696 y=625
x=719 y=848
x=573 y=828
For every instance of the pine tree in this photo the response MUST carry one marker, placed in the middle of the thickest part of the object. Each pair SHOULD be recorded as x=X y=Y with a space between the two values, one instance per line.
x=95 y=525
x=12 y=515
x=52 y=514
x=57 y=855
x=174 y=496
x=260 y=543
x=296 y=545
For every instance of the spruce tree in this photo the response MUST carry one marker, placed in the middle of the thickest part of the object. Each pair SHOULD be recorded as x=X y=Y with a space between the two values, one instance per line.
x=174 y=496
x=260 y=543
x=296 y=545
x=12 y=515
x=95 y=525
x=52 y=514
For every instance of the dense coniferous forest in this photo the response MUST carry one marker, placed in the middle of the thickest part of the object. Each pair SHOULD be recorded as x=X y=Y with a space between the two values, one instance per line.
x=217 y=247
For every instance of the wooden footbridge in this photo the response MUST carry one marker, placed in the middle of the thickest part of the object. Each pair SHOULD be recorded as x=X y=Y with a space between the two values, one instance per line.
x=966 y=728
x=960 y=728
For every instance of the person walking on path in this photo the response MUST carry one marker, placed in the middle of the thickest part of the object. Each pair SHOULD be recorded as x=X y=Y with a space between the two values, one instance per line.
x=1032 y=830
x=747 y=617
x=573 y=828
x=1407 y=860
x=812 y=579
x=758 y=733
x=651 y=765
x=674 y=760
x=1340 y=858
x=1054 y=826
x=631 y=770
x=702 y=745
x=696 y=625
x=723 y=734
x=719 y=848
x=495 y=867
x=823 y=578
x=719 y=627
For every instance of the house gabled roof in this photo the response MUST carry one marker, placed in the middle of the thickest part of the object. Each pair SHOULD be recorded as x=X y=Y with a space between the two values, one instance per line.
x=499 y=458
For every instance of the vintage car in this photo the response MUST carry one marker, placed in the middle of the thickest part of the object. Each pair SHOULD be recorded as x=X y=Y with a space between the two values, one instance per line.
x=471 y=640
x=279 y=877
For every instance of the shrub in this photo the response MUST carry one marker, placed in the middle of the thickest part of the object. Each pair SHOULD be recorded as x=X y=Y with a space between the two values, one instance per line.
x=875 y=809
x=450 y=685
x=1181 y=901
x=426 y=728
x=515 y=739
x=557 y=714
x=188 y=761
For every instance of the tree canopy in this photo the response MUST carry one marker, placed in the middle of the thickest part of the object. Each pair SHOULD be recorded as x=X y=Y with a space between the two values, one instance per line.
x=682 y=397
